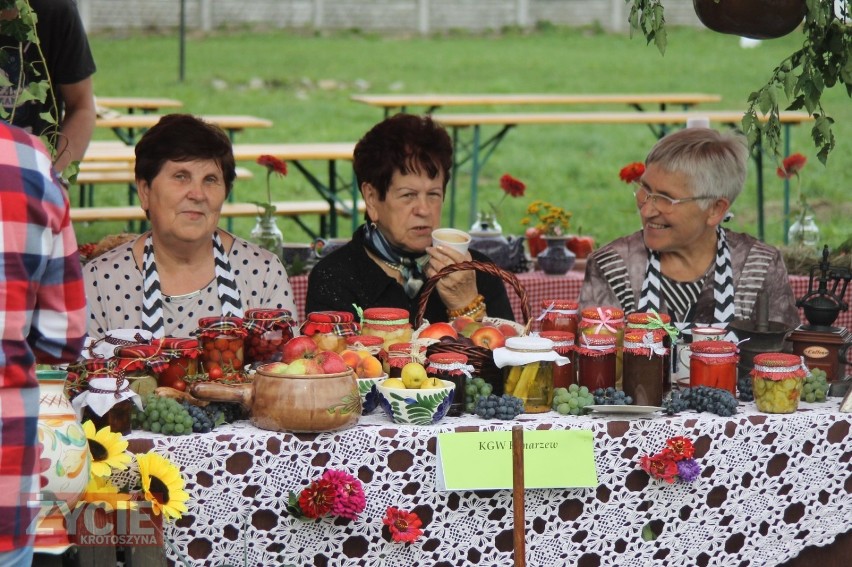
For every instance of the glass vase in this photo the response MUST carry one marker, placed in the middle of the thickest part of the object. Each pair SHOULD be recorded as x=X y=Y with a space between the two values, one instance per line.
x=803 y=232
x=267 y=235
x=555 y=259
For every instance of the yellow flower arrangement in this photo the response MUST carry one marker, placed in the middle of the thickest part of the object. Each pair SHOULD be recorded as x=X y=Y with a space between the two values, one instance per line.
x=108 y=450
x=550 y=219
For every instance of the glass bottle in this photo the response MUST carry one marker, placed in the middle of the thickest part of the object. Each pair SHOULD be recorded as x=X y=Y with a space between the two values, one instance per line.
x=267 y=235
x=558 y=315
x=596 y=361
x=804 y=232
x=222 y=345
x=777 y=380
x=267 y=331
x=329 y=329
x=714 y=364
x=645 y=358
x=453 y=367
x=563 y=344
x=389 y=323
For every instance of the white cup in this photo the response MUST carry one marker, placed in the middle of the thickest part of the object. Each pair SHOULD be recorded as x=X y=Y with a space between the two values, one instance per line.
x=708 y=334
x=453 y=238
x=698 y=122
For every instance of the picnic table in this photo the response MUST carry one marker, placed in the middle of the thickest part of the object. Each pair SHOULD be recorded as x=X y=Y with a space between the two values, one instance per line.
x=432 y=102
x=477 y=150
x=128 y=126
x=131 y=103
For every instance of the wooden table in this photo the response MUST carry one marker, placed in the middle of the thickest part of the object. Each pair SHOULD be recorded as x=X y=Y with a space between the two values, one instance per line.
x=480 y=149
x=431 y=102
x=132 y=103
x=128 y=126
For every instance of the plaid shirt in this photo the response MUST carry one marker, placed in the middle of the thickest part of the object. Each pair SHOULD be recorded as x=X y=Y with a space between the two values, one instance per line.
x=42 y=313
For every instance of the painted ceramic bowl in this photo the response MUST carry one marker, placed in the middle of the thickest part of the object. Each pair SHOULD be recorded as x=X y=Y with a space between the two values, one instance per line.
x=416 y=407
x=369 y=394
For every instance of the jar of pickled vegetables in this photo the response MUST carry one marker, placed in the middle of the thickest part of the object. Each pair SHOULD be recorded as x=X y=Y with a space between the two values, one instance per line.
x=596 y=361
x=527 y=364
x=714 y=364
x=563 y=344
x=329 y=329
x=267 y=330
x=451 y=366
x=222 y=342
x=389 y=323
x=777 y=380
x=181 y=358
x=558 y=315
x=645 y=359
x=400 y=354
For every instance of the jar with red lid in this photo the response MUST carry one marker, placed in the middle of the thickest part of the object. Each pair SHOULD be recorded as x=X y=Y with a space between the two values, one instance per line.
x=222 y=342
x=451 y=366
x=777 y=380
x=329 y=329
x=596 y=361
x=267 y=330
x=389 y=323
x=653 y=321
x=558 y=315
x=371 y=344
x=181 y=359
x=400 y=354
x=605 y=320
x=139 y=364
x=563 y=343
x=714 y=364
x=645 y=358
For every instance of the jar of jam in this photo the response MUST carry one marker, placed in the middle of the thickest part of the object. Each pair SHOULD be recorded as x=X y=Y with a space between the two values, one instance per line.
x=222 y=345
x=563 y=344
x=267 y=330
x=181 y=358
x=371 y=344
x=108 y=401
x=605 y=321
x=453 y=367
x=400 y=354
x=527 y=364
x=652 y=321
x=329 y=329
x=139 y=364
x=777 y=380
x=714 y=364
x=558 y=315
x=389 y=323
x=645 y=358
x=596 y=361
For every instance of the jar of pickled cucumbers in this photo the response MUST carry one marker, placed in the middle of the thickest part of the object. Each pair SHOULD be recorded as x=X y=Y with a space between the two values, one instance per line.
x=389 y=323
x=527 y=364
x=222 y=345
x=329 y=329
x=777 y=380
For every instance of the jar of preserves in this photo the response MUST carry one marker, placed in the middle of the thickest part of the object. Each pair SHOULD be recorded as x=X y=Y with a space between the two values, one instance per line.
x=714 y=364
x=558 y=315
x=527 y=364
x=329 y=329
x=221 y=340
x=400 y=354
x=605 y=321
x=453 y=367
x=181 y=359
x=596 y=361
x=108 y=401
x=139 y=364
x=563 y=344
x=645 y=358
x=267 y=330
x=371 y=344
x=777 y=380
x=653 y=321
x=389 y=323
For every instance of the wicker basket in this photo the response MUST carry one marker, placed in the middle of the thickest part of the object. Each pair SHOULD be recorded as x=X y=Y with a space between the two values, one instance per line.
x=480 y=358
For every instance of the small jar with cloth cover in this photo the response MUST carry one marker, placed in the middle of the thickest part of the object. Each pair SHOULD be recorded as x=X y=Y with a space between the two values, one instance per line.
x=563 y=344
x=181 y=355
x=371 y=344
x=605 y=320
x=222 y=342
x=652 y=321
x=453 y=367
x=267 y=331
x=645 y=358
x=714 y=364
x=777 y=380
x=596 y=361
x=527 y=364
x=389 y=323
x=558 y=315
x=329 y=329
x=400 y=354
x=140 y=365
x=108 y=399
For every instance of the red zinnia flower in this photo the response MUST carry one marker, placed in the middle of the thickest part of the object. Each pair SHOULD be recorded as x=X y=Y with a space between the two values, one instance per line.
x=791 y=166
x=680 y=448
x=317 y=499
x=349 y=500
x=274 y=164
x=512 y=186
x=404 y=526
x=631 y=173
x=660 y=466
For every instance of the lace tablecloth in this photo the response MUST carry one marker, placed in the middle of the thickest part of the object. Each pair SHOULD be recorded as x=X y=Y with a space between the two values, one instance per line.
x=771 y=485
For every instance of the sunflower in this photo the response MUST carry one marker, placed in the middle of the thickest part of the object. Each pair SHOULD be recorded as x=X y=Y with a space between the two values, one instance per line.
x=162 y=485
x=108 y=450
x=101 y=490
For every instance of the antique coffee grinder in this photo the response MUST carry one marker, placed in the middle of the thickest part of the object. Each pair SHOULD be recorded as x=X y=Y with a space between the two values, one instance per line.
x=823 y=345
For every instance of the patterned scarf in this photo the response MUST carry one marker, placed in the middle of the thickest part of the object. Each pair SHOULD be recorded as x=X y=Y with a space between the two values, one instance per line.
x=723 y=282
x=152 y=295
x=409 y=264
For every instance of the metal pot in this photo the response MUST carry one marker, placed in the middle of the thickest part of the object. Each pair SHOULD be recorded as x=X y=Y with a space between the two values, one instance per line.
x=299 y=403
x=757 y=19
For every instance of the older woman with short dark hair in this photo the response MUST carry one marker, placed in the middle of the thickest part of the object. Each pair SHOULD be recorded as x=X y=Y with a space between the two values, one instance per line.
x=185 y=267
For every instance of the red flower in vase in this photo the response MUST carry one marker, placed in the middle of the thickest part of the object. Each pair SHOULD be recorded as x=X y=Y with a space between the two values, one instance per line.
x=404 y=526
x=631 y=173
x=512 y=186
x=791 y=166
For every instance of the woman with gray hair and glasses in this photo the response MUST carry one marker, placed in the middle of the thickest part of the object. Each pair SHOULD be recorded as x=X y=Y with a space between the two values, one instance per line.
x=683 y=262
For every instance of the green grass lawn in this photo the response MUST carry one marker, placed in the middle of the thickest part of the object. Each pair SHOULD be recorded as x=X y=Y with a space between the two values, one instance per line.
x=302 y=82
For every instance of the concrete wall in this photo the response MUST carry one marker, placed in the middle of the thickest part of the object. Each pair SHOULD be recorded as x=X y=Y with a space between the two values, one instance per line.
x=406 y=16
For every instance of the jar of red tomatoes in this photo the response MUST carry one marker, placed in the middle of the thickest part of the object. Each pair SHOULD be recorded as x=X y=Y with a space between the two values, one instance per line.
x=563 y=344
x=329 y=329
x=389 y=323
x=558 y=315
x=267 y=330
x=777 y=380
x=453 y=367
x=645 y=358
x=222 y=342
x=400 y=354
x=181 y=360
x=596 y=361
x=714 y=364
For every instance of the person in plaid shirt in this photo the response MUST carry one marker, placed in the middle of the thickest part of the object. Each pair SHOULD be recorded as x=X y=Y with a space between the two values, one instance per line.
x=42 y=319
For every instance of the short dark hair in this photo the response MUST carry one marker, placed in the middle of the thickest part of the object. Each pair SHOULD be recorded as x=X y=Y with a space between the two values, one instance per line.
x=406 y=143
x=183 y=137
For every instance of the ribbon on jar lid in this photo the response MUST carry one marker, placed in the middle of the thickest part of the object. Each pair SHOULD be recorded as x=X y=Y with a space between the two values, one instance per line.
x=465 y=369
x=656 y=322
x=603 y=321
x=648 y=342
x=552 y=309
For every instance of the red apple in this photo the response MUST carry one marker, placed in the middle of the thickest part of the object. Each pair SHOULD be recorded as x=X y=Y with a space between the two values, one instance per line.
x=507 y=330
x=535 y=241
x=581 y=246
x=298 y=347
x=439 y=330
x=488 y=337
x=331 y=362
x=459 y=323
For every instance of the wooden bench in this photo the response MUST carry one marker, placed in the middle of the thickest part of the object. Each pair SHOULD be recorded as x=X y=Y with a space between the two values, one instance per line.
x=132 y=103
x=127 y=126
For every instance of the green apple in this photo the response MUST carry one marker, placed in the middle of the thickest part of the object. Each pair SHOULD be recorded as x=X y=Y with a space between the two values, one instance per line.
x=394 y=383
x=432 y=384
x=413 y=375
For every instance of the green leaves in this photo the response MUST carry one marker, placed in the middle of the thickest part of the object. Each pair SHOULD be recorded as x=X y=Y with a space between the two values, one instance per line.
x=648 y=16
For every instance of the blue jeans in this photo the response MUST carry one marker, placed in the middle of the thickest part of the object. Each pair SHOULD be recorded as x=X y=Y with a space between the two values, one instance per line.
x=21 y=557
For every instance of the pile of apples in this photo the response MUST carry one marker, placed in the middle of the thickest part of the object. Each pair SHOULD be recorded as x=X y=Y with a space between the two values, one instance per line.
x=302 y=356
x=414 y=377
x=465 y=329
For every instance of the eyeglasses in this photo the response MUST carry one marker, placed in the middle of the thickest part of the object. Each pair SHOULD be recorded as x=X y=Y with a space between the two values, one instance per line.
x=662 y=203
